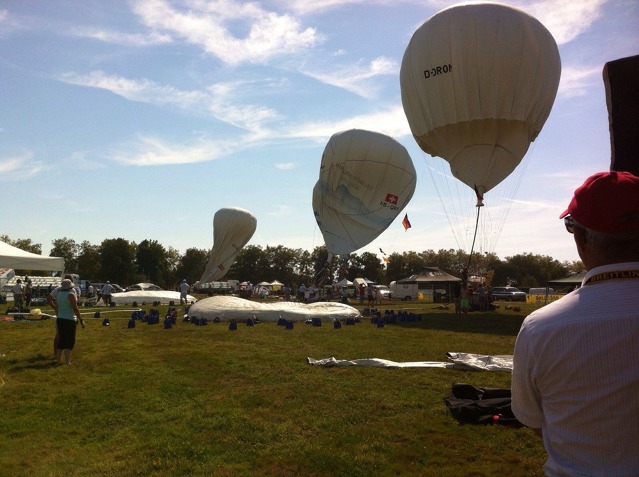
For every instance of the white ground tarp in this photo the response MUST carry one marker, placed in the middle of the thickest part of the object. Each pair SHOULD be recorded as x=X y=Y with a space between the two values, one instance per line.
x=165 y=297
x=12 y=257
x=228 y=308
x=459 y=361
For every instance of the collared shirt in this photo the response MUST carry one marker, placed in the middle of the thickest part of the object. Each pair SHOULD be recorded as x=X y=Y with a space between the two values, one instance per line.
x=576 y=376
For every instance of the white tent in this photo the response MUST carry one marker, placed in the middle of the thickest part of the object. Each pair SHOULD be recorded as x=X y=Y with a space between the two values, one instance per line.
x=12 y=257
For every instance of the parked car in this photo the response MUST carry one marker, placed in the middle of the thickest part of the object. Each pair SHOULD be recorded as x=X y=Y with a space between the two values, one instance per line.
x=144 y=287
x=508 y=294
x=384 y=289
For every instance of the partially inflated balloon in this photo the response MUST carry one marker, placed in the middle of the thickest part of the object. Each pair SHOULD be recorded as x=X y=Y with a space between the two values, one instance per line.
x=366 y=179
x=478 y=82
x=232 y=229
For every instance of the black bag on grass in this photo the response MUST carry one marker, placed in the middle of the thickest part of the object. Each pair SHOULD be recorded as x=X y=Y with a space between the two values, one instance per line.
x=475 y=405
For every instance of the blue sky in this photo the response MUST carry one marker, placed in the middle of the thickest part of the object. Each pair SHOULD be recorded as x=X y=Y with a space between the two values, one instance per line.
x=141 y=119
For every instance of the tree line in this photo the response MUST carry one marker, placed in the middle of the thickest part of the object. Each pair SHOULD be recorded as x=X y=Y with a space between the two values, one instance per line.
x=125 y=262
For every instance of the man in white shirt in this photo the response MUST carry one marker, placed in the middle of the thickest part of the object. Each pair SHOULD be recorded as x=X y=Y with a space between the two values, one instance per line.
x=576 y=362
x=184 y=290
x=106 y=291
x=17 y=291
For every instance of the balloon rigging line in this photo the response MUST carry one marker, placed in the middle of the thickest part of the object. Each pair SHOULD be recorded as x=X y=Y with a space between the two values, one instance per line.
x=470 y=255
x=443 y=203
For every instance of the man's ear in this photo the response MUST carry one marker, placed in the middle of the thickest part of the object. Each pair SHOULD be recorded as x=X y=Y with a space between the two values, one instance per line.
x=581 y=240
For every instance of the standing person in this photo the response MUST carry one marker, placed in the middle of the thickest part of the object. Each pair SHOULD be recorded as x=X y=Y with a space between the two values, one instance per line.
x=106 y=291
x=370 y=295
x=249 y=290
x=464 y=300
x=457 y=288
x=184 y=289
x=28 y=293
x=67 y=313
x=378 y=295
x=301 y=292
x=481 y=293
x=51 y=300
x=311 y=294
x=576 y=361
x=17 y=290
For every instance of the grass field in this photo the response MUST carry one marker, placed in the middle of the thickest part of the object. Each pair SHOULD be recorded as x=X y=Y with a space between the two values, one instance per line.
x=207 y=401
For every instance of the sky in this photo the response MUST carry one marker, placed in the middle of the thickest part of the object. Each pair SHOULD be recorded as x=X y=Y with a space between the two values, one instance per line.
x=139 y=120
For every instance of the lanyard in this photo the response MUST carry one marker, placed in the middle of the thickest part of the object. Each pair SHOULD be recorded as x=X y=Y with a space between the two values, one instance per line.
x=616 y=275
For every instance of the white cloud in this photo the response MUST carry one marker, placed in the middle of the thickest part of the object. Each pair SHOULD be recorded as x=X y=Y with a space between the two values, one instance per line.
x=220 y=100
x=224 y=101
x=20 y=167
x=153 y=151
x=565 y=20
x=286 y=166
x=8 y=23
x=141 y=90
x=127 y=39
x=578 y=81
x=281 y=211
x=212 y=26
x=81 y=162
x=356 y=78
x=391 y=121
x=306 y=7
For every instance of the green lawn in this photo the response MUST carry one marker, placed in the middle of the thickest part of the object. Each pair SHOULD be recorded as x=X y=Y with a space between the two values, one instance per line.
x=207 y=401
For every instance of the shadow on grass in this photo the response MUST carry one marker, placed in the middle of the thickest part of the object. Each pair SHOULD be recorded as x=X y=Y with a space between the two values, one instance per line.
x=487 y=323
x=36 y=362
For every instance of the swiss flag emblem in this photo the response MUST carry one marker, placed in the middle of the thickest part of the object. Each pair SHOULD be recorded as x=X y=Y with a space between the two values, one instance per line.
x=392 y=199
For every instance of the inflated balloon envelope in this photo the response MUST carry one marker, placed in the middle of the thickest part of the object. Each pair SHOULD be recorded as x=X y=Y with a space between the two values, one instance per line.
x=366 y=179
x=233 y=227
x=478 y=81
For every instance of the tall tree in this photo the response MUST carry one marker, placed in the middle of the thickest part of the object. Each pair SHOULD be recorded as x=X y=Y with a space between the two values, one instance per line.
x=322 y=271
x=151 y=260
x=117 y=260
x=282 y=261
x=245 y=267
x=305 y=268
x=530 y=270
x=192 y=265
x=24 y=244
x=88 y=261
x=69 y=250
x=367 y=265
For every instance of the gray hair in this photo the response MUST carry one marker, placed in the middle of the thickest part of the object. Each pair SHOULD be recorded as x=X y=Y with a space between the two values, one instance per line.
x=615 y=247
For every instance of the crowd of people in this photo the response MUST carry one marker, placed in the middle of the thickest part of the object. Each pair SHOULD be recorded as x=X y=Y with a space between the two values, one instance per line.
x=468 y=298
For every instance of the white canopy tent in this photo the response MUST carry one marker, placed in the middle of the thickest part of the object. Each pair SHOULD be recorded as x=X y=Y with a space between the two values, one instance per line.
x=12 y=257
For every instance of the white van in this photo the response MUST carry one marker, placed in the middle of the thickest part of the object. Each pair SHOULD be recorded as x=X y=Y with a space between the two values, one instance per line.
x=542 y=291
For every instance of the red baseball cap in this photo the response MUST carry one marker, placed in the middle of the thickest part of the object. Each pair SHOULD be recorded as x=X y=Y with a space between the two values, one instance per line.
x=607 y=202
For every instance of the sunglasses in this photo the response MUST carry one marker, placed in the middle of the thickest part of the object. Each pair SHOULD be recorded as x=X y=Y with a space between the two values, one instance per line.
x=569 y=222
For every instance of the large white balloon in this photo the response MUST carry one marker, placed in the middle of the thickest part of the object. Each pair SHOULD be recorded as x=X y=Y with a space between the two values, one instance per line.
x=366 y=179
x=232 y=229
x=478 y=81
